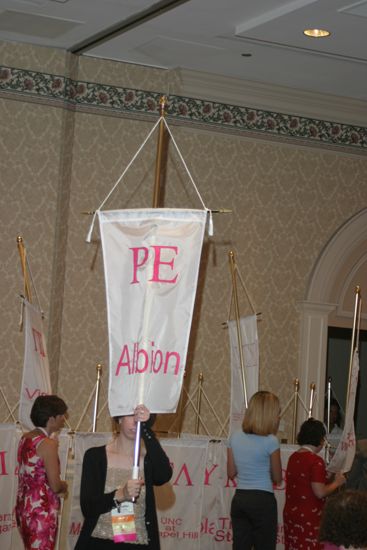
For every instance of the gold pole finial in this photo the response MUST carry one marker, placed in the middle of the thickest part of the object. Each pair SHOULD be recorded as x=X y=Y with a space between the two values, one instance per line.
x=19 y=239
x=162 y=105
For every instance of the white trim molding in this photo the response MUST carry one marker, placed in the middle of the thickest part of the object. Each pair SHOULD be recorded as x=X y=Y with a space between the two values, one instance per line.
x=319 y=303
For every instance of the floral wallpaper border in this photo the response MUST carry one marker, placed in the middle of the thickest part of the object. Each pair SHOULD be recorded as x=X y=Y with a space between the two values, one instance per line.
x=78 y=95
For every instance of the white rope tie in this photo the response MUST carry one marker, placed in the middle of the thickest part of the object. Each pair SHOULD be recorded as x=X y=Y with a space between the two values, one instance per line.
x=34 y=286
x=246 y=291
x=89 y=236
x=86 y=407
x=210 y=229
x=185 y=165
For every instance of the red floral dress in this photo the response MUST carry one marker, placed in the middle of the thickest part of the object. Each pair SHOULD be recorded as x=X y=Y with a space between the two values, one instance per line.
x=37 y=505
x=302 y=510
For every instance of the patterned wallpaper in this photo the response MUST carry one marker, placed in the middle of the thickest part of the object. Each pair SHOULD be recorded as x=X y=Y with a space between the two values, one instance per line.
x=65 y=142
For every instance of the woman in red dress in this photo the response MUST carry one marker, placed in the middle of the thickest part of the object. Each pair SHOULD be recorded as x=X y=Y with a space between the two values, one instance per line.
x=306 y=488
x=40 y=485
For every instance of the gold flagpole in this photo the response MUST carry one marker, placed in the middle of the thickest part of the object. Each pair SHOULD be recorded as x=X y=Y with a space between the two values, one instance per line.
x=96 y=398
x=180 y=407
x=198 y=402
x=23 y=261
x=158 y=163
x=295 y=406
x=238 y=327
x=354 y=344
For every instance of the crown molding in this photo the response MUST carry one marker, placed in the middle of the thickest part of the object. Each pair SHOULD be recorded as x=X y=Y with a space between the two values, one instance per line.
x=270 y=97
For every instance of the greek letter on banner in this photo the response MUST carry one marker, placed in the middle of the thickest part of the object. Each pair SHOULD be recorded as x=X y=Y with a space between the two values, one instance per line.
x=151 y=260
x=36 y=372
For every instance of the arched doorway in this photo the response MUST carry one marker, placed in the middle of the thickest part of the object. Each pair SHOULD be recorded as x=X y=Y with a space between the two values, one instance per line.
x=329 y=300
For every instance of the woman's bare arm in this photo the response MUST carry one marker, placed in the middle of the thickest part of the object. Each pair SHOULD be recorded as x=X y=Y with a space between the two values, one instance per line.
x=322 y=490
x=276 y=467
x=231 y=466
x=48 y=451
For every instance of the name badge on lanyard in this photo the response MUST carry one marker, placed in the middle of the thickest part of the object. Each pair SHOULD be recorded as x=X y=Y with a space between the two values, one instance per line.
x=123 y=522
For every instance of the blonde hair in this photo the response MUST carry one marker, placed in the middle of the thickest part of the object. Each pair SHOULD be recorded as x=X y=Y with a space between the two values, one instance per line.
x=262 y=414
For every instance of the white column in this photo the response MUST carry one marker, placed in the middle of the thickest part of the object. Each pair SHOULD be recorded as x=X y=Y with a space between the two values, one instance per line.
x=312 y=355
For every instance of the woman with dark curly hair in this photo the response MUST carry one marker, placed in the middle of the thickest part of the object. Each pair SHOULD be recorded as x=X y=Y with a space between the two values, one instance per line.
x=344 y=521
x=40 y=485
x=306 y=488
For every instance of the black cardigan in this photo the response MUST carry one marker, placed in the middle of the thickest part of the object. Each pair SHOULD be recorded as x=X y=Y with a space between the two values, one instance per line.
x=94 y=501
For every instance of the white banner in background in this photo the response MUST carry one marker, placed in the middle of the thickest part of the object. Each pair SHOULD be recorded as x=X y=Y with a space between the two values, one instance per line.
x=151 y=261
x=250 y=350
x=179 y=501
x=36 y=373
x=344 y=455
x=216 y=528
x=193 y=509
x=9 y=438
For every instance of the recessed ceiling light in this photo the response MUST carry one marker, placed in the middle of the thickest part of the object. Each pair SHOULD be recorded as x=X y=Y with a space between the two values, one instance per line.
x=316 y=33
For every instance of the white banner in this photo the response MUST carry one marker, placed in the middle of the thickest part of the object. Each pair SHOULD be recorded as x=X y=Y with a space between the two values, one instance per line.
x=36 y=373
x=344 y=455
x=216 y=527
x=250 y=350
x=151 y=261
x=9 y=438
x=179 y=502
x=193 y=509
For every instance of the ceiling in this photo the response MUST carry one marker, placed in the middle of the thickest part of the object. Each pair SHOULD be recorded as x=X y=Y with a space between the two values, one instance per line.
x=252 y=40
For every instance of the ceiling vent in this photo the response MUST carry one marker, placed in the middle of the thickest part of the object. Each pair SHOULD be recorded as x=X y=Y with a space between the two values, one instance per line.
x=357 y=8
x=27 y=24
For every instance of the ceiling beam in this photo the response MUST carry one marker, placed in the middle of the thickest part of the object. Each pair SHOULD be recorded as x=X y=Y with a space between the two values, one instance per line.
x=157 y=9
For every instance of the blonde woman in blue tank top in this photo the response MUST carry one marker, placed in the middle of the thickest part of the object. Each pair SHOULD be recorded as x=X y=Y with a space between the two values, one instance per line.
x=254 y=459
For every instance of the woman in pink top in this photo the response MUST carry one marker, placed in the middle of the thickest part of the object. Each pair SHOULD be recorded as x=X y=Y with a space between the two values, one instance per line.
x=39 y=482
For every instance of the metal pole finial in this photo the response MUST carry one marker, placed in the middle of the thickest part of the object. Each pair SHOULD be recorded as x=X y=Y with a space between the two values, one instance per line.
x=162 y=105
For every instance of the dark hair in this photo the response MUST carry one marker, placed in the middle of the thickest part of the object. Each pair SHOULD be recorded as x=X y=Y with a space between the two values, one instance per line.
x=46 y=406
x=312 y=432
x=344 y=519
x=334 y=403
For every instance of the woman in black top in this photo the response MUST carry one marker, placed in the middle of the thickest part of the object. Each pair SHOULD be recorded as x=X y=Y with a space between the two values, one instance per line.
x=106 y=482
